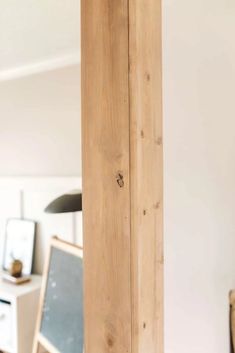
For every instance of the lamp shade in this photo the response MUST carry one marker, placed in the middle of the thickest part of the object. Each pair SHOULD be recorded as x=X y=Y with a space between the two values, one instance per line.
x=70 y=202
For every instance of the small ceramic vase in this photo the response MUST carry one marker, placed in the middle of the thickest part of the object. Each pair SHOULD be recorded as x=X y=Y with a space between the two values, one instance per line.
x=16 y=268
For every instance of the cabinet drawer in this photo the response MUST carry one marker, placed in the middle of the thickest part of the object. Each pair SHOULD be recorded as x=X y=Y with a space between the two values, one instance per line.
x=5 y=324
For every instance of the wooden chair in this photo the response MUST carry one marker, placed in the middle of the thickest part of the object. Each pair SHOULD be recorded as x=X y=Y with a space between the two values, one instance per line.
x=232 y=319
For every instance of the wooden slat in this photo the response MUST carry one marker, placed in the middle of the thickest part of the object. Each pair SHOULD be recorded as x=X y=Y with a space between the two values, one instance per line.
x=106 y=196
x=146 y=175
x=44 y=343
x=122 y=175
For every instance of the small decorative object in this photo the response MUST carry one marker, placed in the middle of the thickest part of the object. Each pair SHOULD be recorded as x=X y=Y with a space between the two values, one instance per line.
x=19 y=245
x=16 y=268
x=15 y=280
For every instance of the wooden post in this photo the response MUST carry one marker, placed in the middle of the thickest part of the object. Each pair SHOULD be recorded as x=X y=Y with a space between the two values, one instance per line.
x=122 y=175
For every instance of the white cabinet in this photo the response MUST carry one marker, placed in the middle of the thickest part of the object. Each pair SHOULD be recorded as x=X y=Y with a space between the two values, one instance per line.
x=5 y=323
x=18 y=314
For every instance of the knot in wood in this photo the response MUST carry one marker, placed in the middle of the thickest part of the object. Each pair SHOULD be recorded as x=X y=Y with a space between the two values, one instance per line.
x=120 y=180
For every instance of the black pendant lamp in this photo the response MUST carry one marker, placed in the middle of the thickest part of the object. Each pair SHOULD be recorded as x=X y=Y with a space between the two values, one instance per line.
x=70 y=202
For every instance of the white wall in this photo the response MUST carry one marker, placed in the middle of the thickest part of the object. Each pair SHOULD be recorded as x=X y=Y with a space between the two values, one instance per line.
x=28 y=197
x=40 y=124
x=199 y=136
x=38 y=32
x=40 y=152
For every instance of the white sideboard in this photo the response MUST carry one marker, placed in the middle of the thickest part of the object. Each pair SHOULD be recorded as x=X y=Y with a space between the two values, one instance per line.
x=18 y=313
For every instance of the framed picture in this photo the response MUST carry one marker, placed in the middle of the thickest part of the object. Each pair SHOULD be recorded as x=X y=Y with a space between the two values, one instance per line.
x=19 y=243
x=60 y=323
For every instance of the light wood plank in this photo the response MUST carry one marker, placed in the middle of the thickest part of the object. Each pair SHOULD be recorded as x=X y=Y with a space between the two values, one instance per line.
x=146 y=175
x=122 y=175
x=43 y=342
x=106 y=196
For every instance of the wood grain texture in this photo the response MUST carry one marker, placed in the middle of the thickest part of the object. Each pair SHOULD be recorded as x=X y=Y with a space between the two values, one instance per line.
x=122 y=175
x=106 y=195
x=145 y=52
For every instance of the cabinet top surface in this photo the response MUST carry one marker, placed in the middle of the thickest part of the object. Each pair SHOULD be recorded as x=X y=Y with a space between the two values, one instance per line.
x=8 y=290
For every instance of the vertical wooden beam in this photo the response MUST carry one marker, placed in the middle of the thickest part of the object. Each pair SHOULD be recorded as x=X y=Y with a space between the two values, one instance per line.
x=106 y=194
x=145 y=54
x=122 y=175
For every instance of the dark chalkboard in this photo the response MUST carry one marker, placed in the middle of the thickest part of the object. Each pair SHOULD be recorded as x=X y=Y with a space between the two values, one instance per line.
x=62 y=312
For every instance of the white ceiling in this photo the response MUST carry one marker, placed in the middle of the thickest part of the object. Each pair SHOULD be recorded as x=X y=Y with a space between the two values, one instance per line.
x=38 y=35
